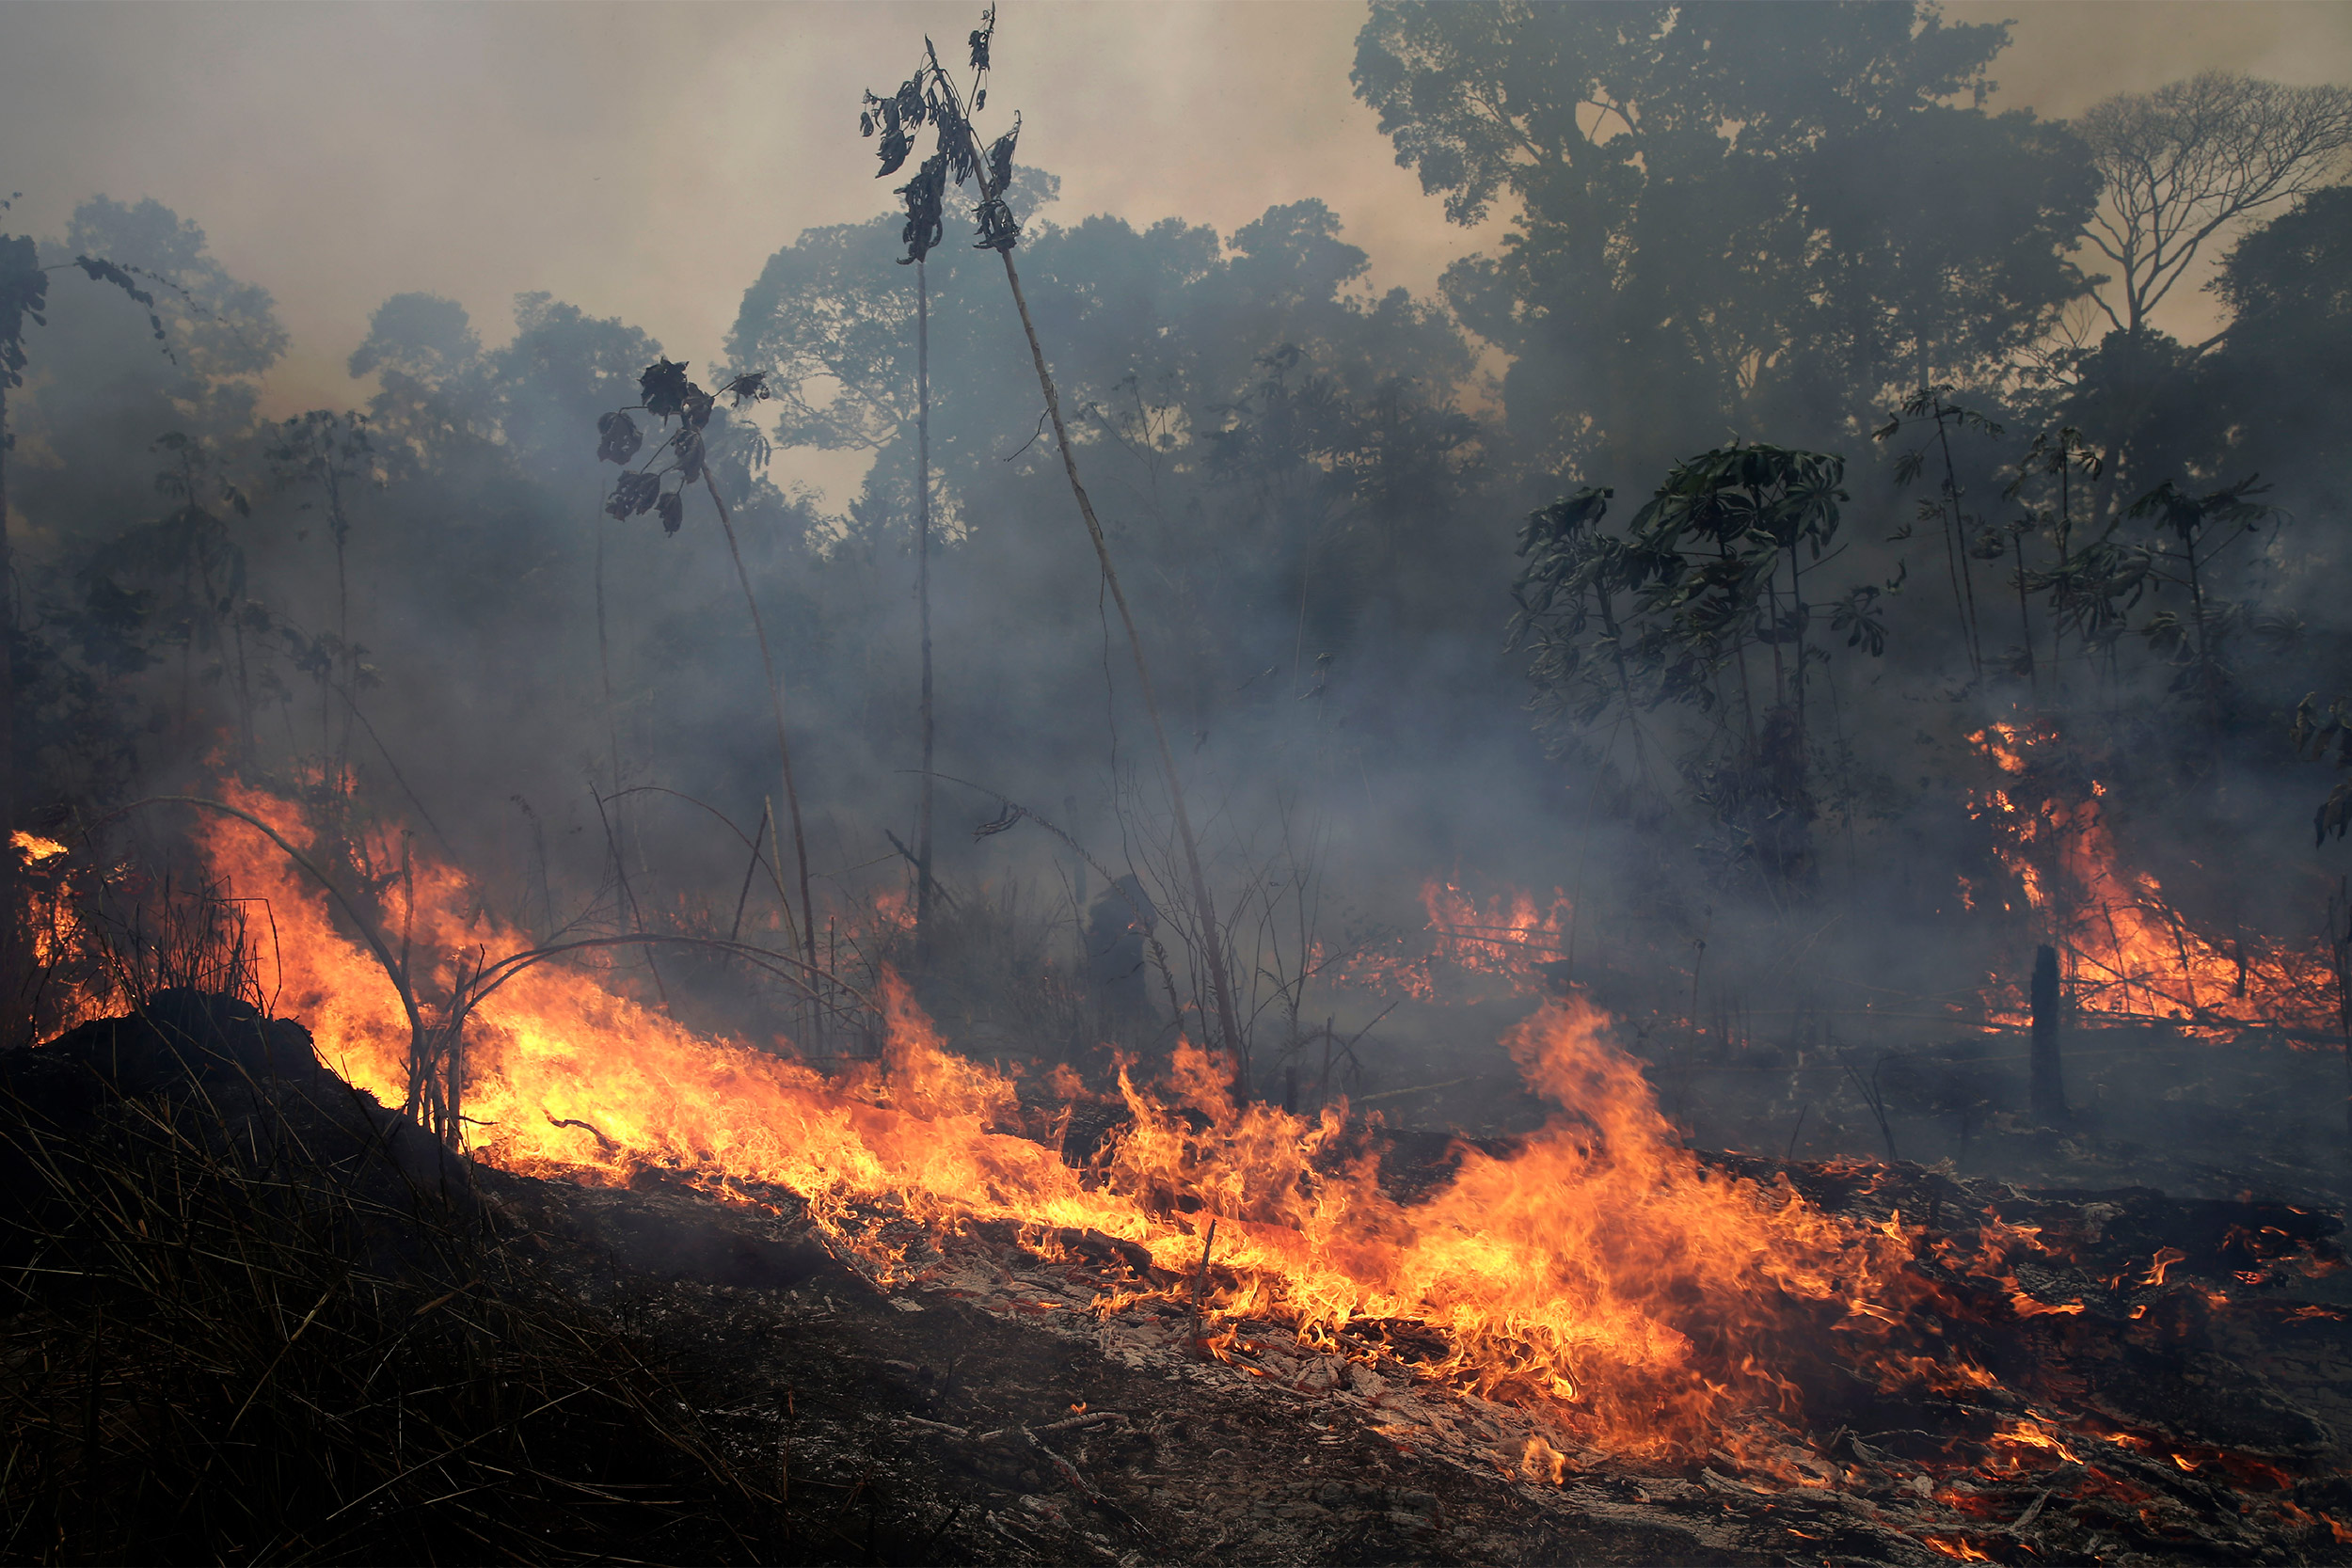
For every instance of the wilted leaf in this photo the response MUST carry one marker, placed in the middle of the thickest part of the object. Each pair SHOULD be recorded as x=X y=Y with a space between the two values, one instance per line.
x=750 y=387
x=633 y=495
x=671 y=508
x=664 y=389
x=980 y=37
x=617 y=438
x=1000 y=159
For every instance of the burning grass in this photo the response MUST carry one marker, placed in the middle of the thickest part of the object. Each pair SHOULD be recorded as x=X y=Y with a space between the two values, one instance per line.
x=1598 y=1269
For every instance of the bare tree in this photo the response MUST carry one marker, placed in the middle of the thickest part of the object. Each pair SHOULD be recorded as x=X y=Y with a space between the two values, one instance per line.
x=2192 y=158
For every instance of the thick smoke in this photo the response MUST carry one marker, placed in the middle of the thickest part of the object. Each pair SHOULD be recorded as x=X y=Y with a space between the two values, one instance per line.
x=1777 y=850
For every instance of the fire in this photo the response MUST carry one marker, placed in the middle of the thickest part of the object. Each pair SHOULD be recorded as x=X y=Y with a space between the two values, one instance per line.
x=2128 y=951
x=34 y=848
x=1509 y=936
x=1601 y=1273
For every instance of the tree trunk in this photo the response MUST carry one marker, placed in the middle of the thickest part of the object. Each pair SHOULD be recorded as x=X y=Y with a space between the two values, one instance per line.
x=2049 y=1085
x=1212 y=948
x=10 y=942
x=922 y=600
x=784 y=746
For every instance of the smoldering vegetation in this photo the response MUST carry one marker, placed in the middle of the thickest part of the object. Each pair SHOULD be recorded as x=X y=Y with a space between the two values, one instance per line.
x=1796 y=579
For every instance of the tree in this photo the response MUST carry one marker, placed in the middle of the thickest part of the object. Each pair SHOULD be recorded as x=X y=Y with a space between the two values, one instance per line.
x=24 y=297
x=1688 y=250
x=2275 y=390
x=2191 y=159
x=1686 y=608
x=931 y=94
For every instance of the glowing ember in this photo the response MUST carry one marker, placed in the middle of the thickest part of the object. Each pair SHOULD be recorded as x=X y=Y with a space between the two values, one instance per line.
x=1600 y=1271
x=2128 y=951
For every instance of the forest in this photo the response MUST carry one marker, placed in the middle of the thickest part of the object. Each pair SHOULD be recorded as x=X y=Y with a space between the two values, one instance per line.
x=1766 y=766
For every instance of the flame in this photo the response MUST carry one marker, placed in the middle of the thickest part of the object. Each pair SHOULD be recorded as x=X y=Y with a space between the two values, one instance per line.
x=2129 y=952
x=1601 y=1273
x=1958 y=1546
x=1508 y=936
x=34 y=848
x=1541 y=1462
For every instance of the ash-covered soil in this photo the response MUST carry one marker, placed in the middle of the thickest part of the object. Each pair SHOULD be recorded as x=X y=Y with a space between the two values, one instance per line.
x=986 y=1406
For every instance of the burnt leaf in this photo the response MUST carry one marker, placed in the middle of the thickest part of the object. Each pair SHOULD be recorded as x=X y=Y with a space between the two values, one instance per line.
x=980 y=35
x=672 y=509
x=1000 y=159
x=750 y=387
x=998 y=230
x=633 y=495
x=924 y=196
x=617 y=438
x=664 y=387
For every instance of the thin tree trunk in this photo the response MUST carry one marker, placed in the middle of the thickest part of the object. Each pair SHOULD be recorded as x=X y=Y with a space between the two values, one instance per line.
x=922 y=600
x=775 y=703
x=1213 y=950
x=2048 y=1083
x=1956 y=547
x=9 y=945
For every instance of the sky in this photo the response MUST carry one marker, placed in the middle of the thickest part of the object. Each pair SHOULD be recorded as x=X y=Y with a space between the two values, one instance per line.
x=644 y=160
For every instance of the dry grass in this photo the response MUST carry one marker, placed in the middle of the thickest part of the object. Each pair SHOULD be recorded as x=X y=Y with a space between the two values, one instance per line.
x=232 y=1329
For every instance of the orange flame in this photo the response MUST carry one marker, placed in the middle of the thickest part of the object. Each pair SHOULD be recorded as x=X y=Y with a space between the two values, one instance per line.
x=1509 y=936
x=2130 y=953
x=1601 y=1273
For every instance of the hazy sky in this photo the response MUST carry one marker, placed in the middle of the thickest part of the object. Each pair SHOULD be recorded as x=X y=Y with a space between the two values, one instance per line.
x=642 y=160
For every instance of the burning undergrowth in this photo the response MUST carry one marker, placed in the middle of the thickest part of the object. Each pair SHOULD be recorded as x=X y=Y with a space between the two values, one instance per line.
x=1643 y=1302
x=2130 y=953
x=1597 y=1269
x=1591 y=1304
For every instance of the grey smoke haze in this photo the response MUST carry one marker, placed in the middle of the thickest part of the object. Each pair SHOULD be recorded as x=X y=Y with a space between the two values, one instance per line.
x=647 y=165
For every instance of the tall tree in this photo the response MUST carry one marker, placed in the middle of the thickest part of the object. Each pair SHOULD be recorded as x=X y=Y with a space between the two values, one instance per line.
x=2193 y=159
x=1682 y=184
x=2183 y=166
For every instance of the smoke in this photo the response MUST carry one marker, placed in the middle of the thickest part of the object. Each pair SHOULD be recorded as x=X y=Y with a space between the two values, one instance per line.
x=1306 y=467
